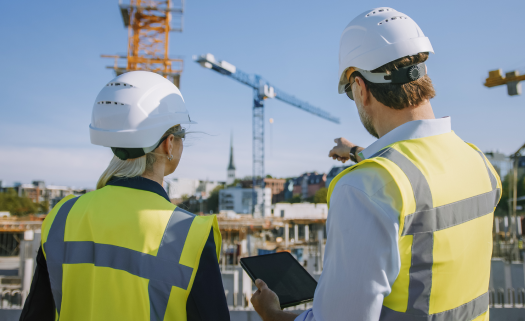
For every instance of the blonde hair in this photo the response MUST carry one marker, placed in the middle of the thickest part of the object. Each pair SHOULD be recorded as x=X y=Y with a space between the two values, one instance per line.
x=132 y=167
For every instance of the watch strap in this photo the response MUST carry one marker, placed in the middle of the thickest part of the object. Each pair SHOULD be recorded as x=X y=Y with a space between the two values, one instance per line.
x=353 y=155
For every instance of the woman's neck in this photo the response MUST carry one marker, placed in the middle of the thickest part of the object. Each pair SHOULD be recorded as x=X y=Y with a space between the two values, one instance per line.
x=155 y=175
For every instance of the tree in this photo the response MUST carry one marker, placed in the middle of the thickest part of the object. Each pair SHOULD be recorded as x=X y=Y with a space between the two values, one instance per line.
x=16 y=205
x=297 y=198
x=320 y=195
x=213 y=199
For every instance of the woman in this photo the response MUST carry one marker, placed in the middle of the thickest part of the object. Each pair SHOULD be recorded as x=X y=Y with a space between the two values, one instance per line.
x=124 y=251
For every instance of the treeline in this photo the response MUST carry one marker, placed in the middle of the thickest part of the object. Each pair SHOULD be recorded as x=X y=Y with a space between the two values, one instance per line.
x=17 y=205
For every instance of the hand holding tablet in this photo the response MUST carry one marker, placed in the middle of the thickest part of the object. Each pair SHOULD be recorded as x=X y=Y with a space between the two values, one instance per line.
x=283 y=275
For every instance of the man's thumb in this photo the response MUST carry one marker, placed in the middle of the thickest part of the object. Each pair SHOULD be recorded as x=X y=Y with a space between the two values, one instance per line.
x=260 y=284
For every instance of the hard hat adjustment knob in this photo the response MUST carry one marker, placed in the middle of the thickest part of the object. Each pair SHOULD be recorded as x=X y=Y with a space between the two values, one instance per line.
x=414 y=72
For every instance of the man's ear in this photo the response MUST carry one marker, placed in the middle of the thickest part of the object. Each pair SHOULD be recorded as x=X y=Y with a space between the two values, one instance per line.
x=363 y=90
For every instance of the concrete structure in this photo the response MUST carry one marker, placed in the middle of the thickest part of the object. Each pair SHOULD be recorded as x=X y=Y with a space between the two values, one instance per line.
x=277 y=187
x=231 y=166
x=240 y=201
x=300 y=211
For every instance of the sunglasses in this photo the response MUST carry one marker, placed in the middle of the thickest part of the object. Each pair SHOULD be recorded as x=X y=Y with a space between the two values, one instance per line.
x=348 y=90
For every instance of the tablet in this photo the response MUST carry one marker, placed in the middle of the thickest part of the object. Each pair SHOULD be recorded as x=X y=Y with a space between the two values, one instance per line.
x=283 y=275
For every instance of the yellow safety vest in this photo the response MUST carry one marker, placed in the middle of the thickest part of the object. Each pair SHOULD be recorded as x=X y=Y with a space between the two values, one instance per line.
x=120 y=253
x=448 y=194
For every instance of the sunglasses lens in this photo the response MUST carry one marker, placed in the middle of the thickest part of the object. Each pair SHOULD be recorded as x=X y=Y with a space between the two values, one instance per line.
x=348 y=91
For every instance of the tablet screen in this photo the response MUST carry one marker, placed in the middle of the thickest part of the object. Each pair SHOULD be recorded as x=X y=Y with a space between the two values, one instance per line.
x=283 y=275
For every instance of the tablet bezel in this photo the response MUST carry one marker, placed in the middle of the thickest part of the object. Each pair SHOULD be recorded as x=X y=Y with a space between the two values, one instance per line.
x=250 y=274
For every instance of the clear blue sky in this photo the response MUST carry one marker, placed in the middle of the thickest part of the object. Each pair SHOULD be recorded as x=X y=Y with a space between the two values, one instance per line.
x=51 y=72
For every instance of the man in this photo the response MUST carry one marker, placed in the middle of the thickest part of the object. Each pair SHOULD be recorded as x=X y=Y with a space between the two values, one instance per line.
x=409 y=229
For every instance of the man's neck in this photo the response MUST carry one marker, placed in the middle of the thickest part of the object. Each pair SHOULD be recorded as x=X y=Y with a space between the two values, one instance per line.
x=386 y=118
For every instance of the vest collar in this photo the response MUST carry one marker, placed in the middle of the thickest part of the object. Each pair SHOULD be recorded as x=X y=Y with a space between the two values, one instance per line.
x=411 y=130
x=141 y=183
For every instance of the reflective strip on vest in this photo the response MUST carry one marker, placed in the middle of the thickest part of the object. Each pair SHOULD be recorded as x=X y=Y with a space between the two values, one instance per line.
x=163 y=270
x=422 y=224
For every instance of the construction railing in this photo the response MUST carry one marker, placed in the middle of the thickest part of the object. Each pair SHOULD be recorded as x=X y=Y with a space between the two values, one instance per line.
x=11 y=298
x=509 y=298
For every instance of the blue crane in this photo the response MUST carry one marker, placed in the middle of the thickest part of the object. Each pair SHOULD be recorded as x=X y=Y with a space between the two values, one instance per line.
x=262 y=90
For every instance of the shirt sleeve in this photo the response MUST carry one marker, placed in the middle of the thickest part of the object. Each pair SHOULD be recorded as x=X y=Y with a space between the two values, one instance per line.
x=361 y=260
x=207 y=300
x=39 y=303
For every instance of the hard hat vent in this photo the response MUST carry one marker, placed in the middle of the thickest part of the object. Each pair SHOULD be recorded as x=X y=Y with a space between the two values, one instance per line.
x=119 y=84
x=392 y=19
x=379 y=10
x=106 y=102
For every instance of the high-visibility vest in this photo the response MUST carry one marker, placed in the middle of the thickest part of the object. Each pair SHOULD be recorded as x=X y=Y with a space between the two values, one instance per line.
x=120 y=253
x=448 y=193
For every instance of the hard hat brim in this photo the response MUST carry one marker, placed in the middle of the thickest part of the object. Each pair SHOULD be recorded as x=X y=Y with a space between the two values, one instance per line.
x=143 y=138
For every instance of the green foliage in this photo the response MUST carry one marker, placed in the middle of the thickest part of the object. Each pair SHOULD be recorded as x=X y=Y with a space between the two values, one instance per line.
x=269 y=176
x=297 y=198
x=235 y=183
x=213 y=199
x=320 y=195
x=16 y=205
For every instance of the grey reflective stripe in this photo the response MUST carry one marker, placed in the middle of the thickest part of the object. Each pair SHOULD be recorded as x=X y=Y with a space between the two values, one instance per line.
x=420 y=274
x=419 y=183
x=170 y=249
x=137 y=263
x=420 y=282
x=468 y=311
x=493 y=180
x=163 y=270
x=452 y=214
x=422 y=224
x=54 y=248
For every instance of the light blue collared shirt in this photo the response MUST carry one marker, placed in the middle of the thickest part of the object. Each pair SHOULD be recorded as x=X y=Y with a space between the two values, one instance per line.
x=361 y=260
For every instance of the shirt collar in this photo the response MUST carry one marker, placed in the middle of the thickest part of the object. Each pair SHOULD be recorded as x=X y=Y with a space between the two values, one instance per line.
x=411 y=130
x=139 y=182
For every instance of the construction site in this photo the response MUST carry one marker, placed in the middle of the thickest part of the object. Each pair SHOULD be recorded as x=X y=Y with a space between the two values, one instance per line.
x=256 y=214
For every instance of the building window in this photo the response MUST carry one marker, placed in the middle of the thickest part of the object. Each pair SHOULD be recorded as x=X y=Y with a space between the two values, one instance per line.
x=282 y=213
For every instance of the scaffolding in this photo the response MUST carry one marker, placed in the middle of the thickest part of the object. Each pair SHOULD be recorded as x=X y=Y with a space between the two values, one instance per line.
x=149 y=24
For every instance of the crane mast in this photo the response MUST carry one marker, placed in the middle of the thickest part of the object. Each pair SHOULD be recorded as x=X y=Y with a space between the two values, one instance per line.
x=262 y=90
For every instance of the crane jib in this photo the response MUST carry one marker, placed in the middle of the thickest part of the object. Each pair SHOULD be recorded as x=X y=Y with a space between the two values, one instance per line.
x=261 y=91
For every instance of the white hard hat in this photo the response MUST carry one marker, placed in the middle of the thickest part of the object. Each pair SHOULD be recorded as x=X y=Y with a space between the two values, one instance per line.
x=377 y=37
x=135 y=109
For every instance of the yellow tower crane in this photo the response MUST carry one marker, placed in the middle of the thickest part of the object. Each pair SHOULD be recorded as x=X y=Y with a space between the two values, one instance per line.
x=149 y=23
x=512 y=80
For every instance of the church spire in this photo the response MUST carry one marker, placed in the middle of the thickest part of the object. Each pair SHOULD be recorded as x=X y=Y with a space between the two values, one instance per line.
x=231 y=166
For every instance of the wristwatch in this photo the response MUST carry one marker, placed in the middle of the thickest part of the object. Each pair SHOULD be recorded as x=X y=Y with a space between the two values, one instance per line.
x=353 y=156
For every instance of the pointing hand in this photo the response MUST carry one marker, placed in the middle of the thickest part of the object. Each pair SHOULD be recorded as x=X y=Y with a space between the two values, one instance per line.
x=341 y=151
